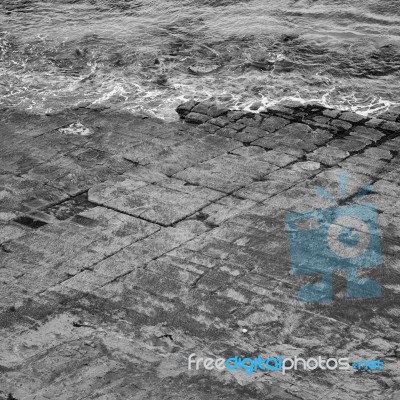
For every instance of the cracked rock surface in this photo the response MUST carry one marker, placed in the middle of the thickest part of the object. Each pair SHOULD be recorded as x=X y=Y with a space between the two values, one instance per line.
x=128 y=243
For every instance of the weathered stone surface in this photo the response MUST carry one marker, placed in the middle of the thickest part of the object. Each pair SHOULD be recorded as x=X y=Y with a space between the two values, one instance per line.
x=391 y=126
x=368 y=133
x=10 y=231
x=184 y=109
x=374 y=122
x=152 y=202
x=258 y=154
x=349 y=144
x=328 y=179
x=102 y=193
x=341 y=125
x=210 y=128
x=25 y=124
x=224 y=209
x=246 y=135
x=387 y=204
x=112 y=272
x=388 y=188
x=271 y=185
x=226 y=173
x=380 y=154
x=331 y=113
x=351 y=117
x=171 y=157
x=24 y=194
x=281 y=109
x=328 y=156
x=391 y=145
x=219 y=121
x=253 y=120
x=235 y=115
x=322 y=120
x=296 y=130
x=210 y=109
x=197 y=118
x=193 y=190
x=291 y=150
x=389 y=115
x=364 y=165
x=272 y=124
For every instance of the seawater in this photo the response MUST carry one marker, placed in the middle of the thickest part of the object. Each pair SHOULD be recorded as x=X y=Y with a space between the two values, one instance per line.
x=149 y=56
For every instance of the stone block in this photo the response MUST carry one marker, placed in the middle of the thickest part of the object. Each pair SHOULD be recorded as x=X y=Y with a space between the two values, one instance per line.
x=201 y=108
x=118 y=264
x=160 y=243
x=246 y=136
x=10 y=231
x=258 y=154
x=387 y=188
x=156 y=284
x=341 y=125
x=368 y=133
x=193 y=257
x=377 y=153
x=261 y=218
x=321 y=120
x=214 y=280
x=331 y=113
x=224 y=209
x=86 y=281
x=219 y=121
x=272 y=124
x=349 y=144
x=226 y=173
x=391 y=126
x=389 y=115
x=363 y=165
x=374 y=122
x=157 y=204
x=25 y=194
x=196 y=118
x=185 y=108
x=210 y=128
x=262 y=190
x=382 y=202
x=174 y=268
x=352 y=117
x=193 y=190
x=328 y=156
x=217 y=306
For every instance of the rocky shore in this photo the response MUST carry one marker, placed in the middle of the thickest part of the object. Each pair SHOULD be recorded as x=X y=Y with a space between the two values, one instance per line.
x=128 y=243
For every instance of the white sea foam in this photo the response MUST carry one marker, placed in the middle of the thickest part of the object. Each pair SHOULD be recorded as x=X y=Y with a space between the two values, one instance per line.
x=140 y=57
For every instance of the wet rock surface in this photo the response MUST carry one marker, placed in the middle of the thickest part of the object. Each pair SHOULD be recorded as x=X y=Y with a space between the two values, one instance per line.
x=127 y=243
